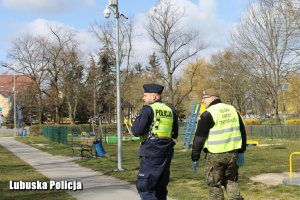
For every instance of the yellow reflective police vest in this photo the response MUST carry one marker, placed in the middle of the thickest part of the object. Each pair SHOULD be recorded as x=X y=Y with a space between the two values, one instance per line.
x=225 y=135
x=163 y=120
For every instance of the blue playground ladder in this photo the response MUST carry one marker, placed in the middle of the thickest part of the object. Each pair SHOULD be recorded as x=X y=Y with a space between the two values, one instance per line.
x=192 y=123
x=186 y=121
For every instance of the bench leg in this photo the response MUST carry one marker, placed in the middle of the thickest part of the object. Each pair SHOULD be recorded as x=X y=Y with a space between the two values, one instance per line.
x=81 y=153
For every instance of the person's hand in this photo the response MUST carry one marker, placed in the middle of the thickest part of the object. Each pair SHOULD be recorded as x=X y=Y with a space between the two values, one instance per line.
x=241 y=159
x=195 y=166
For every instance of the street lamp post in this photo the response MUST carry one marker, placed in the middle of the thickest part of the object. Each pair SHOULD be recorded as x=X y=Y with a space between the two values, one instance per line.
x=284 y=87
x=14 y=90
x=94 y=117
x=113 y=5
x=94 y=91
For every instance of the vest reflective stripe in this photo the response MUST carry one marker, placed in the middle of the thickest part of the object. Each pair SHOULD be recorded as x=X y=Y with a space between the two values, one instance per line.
x=163 y=120
x=224 y=130
x=224 y=141
x=225 y=135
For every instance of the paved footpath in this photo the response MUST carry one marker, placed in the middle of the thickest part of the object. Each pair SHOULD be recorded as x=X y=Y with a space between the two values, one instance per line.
x=96 y=186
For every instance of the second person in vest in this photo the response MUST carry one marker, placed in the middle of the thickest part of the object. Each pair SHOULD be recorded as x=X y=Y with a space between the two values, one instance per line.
x=157 y=126
x=221 y=135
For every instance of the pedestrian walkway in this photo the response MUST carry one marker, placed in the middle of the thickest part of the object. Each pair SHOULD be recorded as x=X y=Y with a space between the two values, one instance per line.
x=4 y=132
x=96 y=186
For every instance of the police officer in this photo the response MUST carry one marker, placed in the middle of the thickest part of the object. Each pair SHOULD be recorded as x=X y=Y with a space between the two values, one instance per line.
x=157 y=126
x=222 y=136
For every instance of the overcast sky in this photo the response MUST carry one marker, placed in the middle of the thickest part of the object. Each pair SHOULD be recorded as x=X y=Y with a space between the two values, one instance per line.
x=213 y=18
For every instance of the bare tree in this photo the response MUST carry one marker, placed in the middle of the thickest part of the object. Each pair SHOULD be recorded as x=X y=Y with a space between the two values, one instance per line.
x=28 y=54
x=173 y=41
x=58 y=47
x=264 y=38
x=195 y=77
x=106 y=35
x=230 y=78
x=187 y=84
x=72 y=81
x=291 y=10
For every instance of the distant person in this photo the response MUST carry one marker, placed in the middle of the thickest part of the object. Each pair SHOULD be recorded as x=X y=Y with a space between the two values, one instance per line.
x=157 y=126
x=221 y=135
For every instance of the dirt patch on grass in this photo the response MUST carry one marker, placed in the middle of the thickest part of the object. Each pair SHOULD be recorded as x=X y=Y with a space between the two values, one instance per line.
x=266 y=145
x=272 y=178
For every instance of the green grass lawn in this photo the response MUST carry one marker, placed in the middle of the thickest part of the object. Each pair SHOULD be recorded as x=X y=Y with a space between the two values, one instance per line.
x=13 y=168
x=186 y=185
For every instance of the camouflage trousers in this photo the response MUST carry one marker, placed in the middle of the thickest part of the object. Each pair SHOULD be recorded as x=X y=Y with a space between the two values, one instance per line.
x=221 y=173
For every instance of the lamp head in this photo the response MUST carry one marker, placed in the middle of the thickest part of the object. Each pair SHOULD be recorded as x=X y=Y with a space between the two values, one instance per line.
x=106 y=12
x=125 y=17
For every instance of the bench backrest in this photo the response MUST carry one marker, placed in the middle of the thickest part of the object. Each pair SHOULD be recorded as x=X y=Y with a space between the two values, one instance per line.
x=87 y=142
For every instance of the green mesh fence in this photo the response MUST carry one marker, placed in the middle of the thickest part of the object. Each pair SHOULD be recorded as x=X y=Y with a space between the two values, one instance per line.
x=73 y=134
x=274 y=131
x=57 y=134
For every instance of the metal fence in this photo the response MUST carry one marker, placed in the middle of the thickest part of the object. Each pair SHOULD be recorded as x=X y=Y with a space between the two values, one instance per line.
x=57 y=134
x=65 y=135
x=275 y=131
x=70 y=135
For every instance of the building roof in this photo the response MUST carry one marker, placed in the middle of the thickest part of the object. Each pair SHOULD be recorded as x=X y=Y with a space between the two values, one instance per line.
x=5 y=94
x=7 y=83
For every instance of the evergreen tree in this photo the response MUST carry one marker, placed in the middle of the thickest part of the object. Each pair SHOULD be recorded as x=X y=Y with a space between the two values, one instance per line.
x=154 y=69
x=106 y=86
x=138 y=69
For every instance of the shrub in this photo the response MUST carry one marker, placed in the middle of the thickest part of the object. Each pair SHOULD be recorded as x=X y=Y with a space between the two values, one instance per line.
x=253 y=121
x=35 y=130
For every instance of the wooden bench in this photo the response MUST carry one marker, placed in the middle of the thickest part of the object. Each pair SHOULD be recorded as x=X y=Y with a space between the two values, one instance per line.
x=84 y=145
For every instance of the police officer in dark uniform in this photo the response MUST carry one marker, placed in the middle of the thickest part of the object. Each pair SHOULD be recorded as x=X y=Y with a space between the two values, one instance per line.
x=157 y=126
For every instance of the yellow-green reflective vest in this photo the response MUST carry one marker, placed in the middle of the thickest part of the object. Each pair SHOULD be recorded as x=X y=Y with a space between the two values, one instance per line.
x=163 y=120
x=225 y=135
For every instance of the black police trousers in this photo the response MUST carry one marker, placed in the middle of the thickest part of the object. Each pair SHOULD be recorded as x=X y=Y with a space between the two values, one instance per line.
x=153 y=178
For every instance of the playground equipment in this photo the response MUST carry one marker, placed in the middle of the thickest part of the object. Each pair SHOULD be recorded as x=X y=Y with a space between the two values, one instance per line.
x=292 y=180
x=191 y=123
x=250 y=142
x=291 y=163
x=131 y=137
x=128 y=125
x=127 y=135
